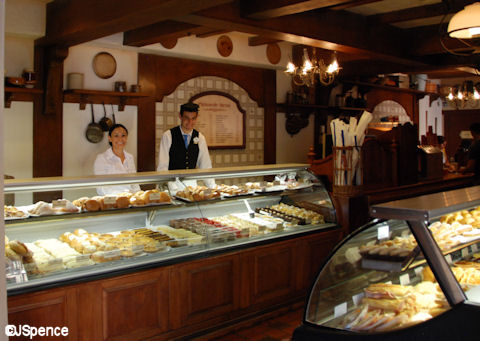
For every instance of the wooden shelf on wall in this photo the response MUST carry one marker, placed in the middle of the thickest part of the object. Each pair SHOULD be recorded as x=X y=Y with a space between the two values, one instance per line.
x=83 y=97
x=20 y=94
x=287 y=107
x=392 y=88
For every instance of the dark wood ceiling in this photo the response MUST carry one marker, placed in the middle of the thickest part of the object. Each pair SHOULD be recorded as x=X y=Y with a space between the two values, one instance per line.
x=371 y=36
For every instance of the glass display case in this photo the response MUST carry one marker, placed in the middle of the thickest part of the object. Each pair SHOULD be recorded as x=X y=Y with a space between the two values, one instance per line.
x=67 y=230
x=414 y=272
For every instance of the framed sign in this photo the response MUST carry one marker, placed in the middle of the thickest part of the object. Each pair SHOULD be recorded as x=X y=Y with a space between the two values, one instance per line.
x=221 y=120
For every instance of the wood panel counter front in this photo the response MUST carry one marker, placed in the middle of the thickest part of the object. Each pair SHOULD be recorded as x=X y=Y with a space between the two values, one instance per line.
x=185 y=299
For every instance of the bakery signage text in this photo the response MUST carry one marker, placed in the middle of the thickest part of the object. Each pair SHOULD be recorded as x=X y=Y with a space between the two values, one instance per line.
x=220 y=119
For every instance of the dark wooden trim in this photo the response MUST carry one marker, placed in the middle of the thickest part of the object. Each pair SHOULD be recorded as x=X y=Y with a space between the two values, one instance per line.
x=159 y=76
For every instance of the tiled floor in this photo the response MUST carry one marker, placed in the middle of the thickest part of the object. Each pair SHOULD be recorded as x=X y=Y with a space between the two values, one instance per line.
x=279 y=328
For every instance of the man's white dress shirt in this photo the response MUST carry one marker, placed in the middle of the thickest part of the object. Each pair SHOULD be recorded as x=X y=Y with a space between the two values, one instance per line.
x=203 y=160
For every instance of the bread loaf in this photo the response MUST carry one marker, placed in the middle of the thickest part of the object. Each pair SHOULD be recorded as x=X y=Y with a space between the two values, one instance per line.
x=122 y=202
x=93 y=204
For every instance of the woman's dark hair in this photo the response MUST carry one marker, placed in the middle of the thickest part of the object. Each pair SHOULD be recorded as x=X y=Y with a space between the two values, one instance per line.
x=112 y=128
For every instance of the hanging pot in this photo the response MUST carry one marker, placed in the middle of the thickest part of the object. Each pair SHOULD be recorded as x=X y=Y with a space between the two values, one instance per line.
x=105 y=122
x=94 y=132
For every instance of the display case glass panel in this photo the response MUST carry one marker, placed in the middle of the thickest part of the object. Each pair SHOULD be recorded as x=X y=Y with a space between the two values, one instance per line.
x=380 y=278
x=66 y=230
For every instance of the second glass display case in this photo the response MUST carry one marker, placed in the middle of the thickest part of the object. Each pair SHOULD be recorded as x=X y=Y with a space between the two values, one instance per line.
x=415 y=276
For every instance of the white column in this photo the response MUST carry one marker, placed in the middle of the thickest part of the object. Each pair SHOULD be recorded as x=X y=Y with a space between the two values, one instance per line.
x=3 y=287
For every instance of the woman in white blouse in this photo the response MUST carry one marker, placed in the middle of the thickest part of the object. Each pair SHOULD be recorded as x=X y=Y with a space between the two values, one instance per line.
x=115 y=160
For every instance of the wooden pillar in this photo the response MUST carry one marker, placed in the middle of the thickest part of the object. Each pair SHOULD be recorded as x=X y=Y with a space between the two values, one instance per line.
x=48 y=116
x=270 y=117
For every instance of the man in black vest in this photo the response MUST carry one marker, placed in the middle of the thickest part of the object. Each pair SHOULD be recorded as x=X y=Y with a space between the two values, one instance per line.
x=183 y=147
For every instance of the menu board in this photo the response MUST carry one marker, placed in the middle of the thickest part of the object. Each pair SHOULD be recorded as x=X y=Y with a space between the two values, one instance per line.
x=220 y=119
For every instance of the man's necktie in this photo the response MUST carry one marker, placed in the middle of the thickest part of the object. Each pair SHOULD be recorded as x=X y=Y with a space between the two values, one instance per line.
x=185 y=138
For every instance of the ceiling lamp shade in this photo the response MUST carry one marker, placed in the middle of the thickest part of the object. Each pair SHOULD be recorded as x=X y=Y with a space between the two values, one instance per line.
x=466 y=23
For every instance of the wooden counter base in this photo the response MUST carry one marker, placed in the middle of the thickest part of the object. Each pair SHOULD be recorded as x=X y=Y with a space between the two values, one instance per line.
x=184 y=299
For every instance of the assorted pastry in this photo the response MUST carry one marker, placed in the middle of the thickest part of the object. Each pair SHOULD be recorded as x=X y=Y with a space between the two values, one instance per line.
x=292 y=214
x=450 y=231
x=90 y=204
x=197 y=193
x=12 y=212
x=391 y=306
x=82 y=248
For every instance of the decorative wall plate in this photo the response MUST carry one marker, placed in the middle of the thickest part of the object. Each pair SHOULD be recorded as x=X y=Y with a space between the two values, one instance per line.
x=224 y=46
x=104 y=65
x=273 y=53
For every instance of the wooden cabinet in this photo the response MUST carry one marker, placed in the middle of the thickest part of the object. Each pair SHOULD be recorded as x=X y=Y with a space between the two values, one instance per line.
x=175 y=301
x=205 y=289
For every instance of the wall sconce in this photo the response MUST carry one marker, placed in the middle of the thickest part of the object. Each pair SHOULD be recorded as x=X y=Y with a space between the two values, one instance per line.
x=465 y=94
x=313 y=69
x=466 y=23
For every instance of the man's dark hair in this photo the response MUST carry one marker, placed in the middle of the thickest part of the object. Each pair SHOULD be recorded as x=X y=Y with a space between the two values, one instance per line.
x=189 y=107
x=475 y=128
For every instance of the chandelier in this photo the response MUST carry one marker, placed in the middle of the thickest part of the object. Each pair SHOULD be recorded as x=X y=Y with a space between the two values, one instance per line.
x=313 y=69
x=466 y=23
x=465 y=94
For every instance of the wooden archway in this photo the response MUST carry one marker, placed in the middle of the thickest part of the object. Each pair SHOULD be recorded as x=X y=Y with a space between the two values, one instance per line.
x=159 y=76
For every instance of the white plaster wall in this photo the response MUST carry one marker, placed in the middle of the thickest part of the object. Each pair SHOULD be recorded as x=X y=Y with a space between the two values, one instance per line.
x=293 y=148
x=80 y=58
x=427 y=115
x=78 y=153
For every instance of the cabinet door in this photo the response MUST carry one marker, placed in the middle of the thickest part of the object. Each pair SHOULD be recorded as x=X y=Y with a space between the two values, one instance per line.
x=204 y=290
x=272 y=272
x=135 y=306
x=313 y=252
x=52 y=308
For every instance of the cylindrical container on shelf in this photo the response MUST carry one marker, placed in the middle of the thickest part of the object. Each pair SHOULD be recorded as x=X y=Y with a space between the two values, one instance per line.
x=75 y=80
x=347 y=171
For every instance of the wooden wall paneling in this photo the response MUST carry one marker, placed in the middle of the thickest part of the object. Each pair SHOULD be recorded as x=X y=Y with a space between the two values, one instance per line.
x=270 y=117
x=89 y=311
x=273 y=273
x=159 y=76
x=454 y=122
x=407 y=100
x=147 y=78
x=135 y=306
x=48 y=117
x=313 y=252
x=49 y=308
x=205 y=290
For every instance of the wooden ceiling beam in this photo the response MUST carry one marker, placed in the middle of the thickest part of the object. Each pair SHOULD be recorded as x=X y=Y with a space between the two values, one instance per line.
x=72 y=22
x=209 y=32
x=152 y=34
x=352 y=3
x=259 y=40
x=428 y=41
x=419 y=12
x=267 y=9
x=341 y=31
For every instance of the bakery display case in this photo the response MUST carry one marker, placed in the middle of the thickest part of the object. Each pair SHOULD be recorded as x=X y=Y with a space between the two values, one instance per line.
x=412 y=273
x=61 y=231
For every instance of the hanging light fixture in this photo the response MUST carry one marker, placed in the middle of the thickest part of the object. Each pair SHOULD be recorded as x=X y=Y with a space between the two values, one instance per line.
x=313 y=69
x=466 y=23
x=465 y=94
